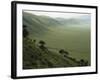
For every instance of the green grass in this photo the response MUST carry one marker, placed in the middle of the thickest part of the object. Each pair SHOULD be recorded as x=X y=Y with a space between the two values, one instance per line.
x=74 y=38
x=75 y=41
x=34 y=57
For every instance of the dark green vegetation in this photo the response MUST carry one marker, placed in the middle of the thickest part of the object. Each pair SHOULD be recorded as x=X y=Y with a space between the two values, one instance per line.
x=50 y=42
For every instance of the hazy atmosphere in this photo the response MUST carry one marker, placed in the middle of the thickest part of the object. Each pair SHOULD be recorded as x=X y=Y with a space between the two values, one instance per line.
x=54 y=39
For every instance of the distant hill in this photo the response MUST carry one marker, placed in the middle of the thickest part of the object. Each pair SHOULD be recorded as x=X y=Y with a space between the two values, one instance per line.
x=38 y=24
x=82 y=20
x=71 y=34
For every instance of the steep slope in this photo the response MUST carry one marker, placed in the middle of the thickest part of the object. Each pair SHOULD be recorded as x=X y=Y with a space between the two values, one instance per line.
x=71 y=34
x=34 y=57
x=38 y=24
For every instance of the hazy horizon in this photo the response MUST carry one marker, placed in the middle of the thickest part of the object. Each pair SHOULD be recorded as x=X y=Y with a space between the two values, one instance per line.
x=66 y=15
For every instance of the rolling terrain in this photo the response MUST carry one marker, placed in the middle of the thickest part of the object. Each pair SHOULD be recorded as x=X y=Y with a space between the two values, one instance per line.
x=72 y=35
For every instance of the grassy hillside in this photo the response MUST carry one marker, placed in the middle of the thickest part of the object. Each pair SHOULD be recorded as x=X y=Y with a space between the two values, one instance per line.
x=72 y=35
x=37 y=25
x=34 y=57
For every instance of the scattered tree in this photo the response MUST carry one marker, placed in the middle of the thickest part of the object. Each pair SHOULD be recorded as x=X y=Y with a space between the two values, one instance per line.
x=34 y=40
x=61 y=51
x=65 y=53
x=25 y=32
x=83 y=62
x=42 y=43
